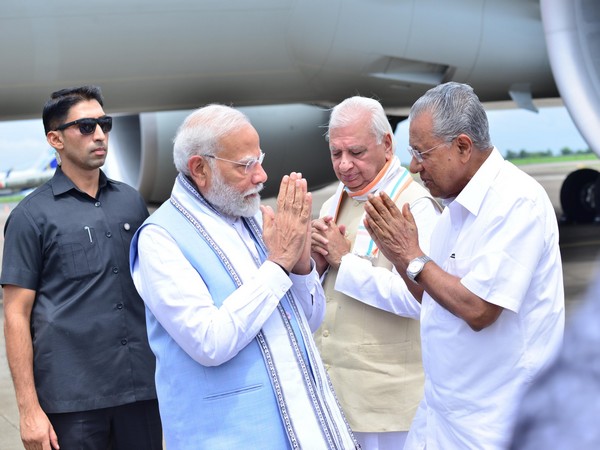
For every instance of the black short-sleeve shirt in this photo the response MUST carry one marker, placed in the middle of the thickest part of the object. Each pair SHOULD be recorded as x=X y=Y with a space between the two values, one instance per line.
x=88 y=325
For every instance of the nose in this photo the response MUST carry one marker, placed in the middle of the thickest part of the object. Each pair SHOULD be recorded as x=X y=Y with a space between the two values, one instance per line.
x=415 y=166
x=259 y=175
x=102 y=134
x=345 y=164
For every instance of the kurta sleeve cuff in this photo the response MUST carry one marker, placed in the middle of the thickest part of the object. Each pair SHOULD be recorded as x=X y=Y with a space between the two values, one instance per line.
x=308 y=290
x=275 y=278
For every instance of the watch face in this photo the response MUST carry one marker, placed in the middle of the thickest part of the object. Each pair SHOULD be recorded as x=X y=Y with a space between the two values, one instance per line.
x=414 y=266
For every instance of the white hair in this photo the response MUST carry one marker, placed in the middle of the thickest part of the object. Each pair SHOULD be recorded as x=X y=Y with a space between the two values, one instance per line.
x=201 y=132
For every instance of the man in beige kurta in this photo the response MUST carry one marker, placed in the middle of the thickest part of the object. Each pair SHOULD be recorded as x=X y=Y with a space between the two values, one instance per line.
x=373 y=355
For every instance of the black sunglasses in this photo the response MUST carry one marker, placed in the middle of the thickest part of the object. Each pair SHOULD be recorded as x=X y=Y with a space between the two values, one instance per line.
x=88 y=125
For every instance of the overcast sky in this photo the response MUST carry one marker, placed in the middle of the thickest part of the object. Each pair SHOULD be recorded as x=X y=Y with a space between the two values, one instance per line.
x=23 y=142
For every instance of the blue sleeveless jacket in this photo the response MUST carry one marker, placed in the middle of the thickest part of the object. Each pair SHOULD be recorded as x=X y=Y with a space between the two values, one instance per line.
x=230 y=406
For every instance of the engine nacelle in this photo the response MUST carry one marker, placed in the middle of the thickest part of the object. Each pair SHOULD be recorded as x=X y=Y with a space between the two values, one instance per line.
x=572 y=29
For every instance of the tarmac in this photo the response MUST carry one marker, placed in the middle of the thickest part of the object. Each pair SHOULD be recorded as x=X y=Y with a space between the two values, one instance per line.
x=580 y=247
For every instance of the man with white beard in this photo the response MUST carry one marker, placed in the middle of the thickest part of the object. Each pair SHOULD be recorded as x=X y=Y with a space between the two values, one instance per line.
x=232 y=299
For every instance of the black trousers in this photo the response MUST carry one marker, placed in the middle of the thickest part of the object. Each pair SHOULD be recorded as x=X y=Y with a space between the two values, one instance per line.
x=135 y=426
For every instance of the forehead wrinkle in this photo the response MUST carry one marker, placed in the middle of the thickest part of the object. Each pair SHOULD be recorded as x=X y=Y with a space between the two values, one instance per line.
x=349 y=147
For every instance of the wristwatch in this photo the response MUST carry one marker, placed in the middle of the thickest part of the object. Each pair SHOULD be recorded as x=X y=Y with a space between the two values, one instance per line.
x=415 y=267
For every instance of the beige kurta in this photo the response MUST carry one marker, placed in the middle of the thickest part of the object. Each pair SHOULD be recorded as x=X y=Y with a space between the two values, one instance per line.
x=373 y=357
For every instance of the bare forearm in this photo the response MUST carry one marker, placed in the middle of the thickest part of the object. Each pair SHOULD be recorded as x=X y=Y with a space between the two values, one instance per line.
x=36 y=430
x=19 y=352
x=447 y=290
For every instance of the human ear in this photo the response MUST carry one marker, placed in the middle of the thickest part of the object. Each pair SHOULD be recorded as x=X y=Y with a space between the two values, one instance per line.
x=389 y=148
x=55 y=140
x=199 y=170
x=464 y=145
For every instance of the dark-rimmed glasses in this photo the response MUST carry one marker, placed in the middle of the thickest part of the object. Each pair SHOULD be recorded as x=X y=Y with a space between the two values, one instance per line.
x=88 y=125
x=248 y=164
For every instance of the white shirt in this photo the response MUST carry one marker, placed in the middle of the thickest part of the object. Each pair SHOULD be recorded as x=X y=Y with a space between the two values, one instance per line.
x=181 y=302
x=379 y=287
x=500 y=236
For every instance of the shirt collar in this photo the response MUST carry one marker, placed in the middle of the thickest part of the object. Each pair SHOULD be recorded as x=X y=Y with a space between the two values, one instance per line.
x=472 y=195
x=62 y=183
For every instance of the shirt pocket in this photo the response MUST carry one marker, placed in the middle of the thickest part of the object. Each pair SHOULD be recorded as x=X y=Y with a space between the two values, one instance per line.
x=79 y=254
x=459 y=267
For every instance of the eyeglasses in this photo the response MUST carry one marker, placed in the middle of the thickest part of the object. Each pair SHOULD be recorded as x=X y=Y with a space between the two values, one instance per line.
x=419 y=155
x=249 y=164
x=88 y=125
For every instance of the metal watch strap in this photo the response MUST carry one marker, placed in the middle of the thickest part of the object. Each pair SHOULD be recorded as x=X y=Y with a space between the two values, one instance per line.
x=423 y=259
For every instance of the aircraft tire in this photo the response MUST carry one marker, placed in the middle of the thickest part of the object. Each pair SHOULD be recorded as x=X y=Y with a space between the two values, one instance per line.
x=580 y=196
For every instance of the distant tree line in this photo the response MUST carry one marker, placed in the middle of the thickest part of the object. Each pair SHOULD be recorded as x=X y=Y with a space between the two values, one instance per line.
x=565 y=151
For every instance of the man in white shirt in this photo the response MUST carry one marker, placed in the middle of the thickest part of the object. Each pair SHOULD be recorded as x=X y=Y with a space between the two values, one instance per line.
x=373 y=356
x=232 y=298
x=491 y=288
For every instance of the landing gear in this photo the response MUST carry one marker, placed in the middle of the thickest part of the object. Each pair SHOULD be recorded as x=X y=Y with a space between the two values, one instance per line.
x=580 y=197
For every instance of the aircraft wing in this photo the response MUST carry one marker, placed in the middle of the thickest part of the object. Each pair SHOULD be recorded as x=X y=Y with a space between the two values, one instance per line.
x=175 y=55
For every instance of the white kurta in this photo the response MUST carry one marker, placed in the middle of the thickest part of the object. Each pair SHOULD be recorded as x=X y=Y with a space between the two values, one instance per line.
x=209 y=334
x=289 y=395
x=500 y=236
x=178 y=297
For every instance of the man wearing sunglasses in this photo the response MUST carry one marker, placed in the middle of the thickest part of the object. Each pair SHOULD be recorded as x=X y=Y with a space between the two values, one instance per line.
x=232 y=299
x=75 y=329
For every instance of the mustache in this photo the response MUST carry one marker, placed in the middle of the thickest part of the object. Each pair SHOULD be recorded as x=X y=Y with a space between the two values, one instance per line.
x=255 y=190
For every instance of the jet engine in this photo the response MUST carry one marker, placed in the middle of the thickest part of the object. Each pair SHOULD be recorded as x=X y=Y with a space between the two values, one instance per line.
x=572 y=29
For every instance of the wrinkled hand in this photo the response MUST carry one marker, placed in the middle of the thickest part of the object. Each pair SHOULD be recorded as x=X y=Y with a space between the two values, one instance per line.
x=394 y=231
x=328 y=243
x=37 y=432
x=317 y=251
x=286 y=232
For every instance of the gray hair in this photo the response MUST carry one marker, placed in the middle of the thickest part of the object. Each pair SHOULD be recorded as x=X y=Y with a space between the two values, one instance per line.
x=348 y=111
x=201 y=132
x=455 y=110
